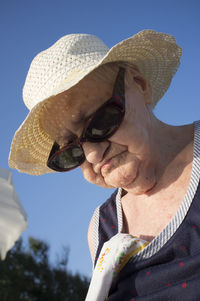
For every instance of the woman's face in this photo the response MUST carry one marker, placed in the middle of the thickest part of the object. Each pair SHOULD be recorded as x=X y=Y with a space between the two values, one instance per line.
x=126 y=159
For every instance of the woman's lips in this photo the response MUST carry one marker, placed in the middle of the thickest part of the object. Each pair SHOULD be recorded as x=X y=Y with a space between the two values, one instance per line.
x=106 y=165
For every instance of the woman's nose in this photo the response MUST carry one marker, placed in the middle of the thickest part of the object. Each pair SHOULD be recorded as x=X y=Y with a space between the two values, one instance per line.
x=94 y=152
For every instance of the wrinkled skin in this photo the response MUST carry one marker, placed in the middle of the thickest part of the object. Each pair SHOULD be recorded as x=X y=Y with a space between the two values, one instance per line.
x=136 y=155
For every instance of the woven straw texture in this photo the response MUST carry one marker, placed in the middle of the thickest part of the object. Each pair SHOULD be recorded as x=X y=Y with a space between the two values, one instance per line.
x=64 y=64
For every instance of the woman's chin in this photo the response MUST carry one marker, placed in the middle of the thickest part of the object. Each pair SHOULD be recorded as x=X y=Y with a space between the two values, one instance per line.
x=140 y=187
x=113 y=180
x=135 y=183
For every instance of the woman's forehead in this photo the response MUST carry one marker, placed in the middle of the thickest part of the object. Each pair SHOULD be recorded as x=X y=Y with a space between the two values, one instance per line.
x=69 y=109
x=87 y=97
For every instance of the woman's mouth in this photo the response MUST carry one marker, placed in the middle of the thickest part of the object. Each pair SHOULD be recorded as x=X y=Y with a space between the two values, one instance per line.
x=106 y=165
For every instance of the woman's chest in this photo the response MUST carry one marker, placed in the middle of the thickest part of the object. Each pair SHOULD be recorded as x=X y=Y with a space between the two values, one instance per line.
x=147 y=224
x=146 y=218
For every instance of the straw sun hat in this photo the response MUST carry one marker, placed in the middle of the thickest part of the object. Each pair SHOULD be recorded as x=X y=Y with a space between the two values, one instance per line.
x=69 y=60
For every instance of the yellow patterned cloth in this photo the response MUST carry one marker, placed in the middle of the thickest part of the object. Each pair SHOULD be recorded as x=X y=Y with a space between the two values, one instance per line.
x=114 y=256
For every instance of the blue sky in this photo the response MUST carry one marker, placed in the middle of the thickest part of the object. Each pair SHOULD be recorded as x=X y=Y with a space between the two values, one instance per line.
x=59 y=206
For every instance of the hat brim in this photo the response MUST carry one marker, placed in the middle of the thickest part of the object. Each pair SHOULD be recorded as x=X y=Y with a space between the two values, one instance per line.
x=156 y=55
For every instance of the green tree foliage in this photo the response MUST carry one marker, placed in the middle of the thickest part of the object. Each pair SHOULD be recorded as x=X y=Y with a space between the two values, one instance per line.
x=27 y=275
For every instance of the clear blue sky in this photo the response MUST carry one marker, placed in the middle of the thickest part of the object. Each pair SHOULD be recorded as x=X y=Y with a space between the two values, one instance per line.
x=59 y=206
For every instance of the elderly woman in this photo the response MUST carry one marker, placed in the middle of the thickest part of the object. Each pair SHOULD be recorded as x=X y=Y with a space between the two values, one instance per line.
x=93 y=107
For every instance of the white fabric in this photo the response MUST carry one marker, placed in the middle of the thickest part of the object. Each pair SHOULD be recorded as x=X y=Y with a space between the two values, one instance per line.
x=114 y=255
x=13 y=219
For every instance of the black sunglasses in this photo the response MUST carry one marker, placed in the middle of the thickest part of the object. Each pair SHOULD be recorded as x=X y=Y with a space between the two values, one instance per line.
x=99 y=127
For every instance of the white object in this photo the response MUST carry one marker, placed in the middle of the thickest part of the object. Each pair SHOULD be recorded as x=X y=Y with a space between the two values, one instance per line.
x=13 y=219
x=114 y=255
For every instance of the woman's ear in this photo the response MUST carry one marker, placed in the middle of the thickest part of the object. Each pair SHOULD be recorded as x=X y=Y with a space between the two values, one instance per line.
x=133 y=78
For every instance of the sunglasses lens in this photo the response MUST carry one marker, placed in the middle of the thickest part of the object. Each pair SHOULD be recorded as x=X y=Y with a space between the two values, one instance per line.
x=68 y=158
x=104 y=123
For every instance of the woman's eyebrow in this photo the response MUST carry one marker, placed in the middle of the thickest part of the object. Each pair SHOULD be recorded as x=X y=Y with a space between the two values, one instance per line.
x=81 y=118
x=78 y=116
